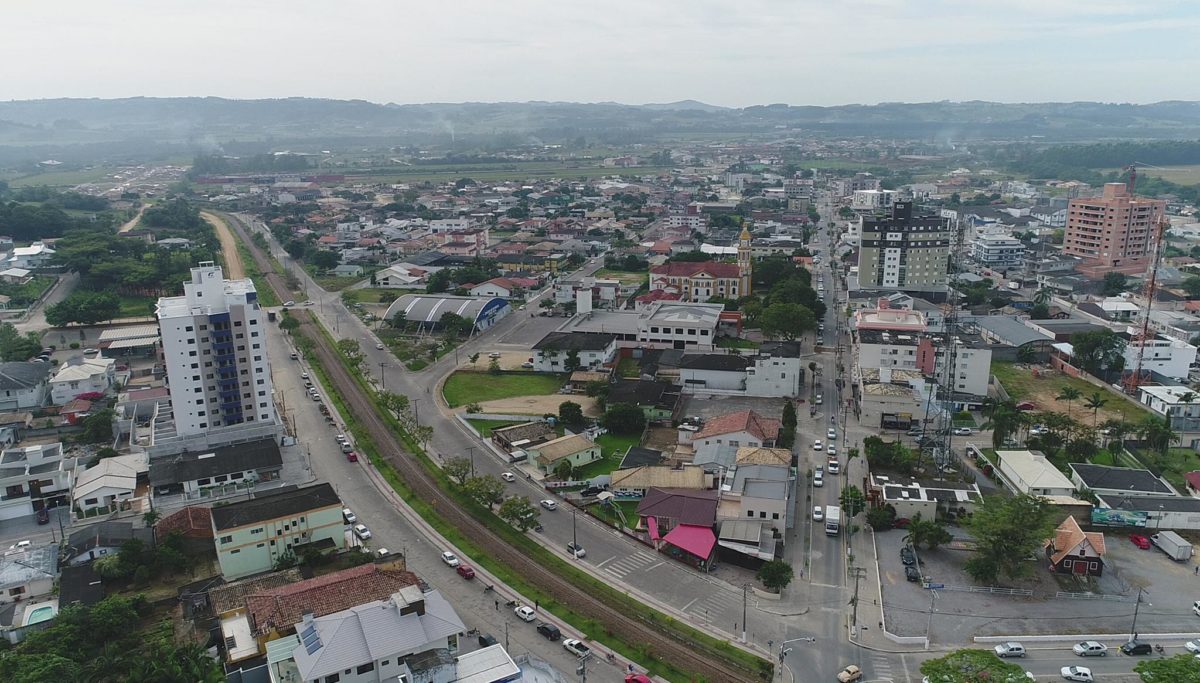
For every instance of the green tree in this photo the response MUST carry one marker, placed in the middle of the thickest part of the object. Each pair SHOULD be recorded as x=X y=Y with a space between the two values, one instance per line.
x=151 y=517
x=458 y=469
x=563 y=470
x=852 y=500
x=572 y=361
x=324 y=260
x=1095 y=402
x=1114 y=283
x=570 y=413
x=1178 y=669
x=519 y=512
x=1096 y=352
x=485 y=490
x=775 y=575
x=786 y=321
x=929 y=532
x=1007 y=532
x=972 y=666
x=17 y=347
x=624 y=418
x=288 y=323
x=1157 y=433
x=474 y=358
x=1026 y=354
x=348 y=347
x=881 y=518
x=1039 y=312
x=97 y=427
x=494 y=366
x=1070 y=395
x=86 y=308
x=1191 y=285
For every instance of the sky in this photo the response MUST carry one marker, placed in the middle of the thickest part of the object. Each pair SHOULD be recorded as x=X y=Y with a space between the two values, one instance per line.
x=730 y=53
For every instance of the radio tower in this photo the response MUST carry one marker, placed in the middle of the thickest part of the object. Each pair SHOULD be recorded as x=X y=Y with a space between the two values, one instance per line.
x=1144 y=335
x=939 y=407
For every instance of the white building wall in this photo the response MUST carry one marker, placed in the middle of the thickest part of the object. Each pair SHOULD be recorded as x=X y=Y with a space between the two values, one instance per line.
x=699 y=380
x=774 y=376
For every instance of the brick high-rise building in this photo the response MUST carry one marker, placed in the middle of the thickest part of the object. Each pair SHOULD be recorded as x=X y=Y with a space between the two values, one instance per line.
x=1112 y=232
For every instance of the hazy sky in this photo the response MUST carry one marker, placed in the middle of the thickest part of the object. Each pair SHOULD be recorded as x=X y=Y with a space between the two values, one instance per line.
x=732 y=52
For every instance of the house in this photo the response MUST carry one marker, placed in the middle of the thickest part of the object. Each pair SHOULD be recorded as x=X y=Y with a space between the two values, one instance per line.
x=103 y=538
x=1105 y=480
x=411 y=636
x=250 y=536
x=526 y=435
x=76 y=410
x=28 y=573
x=33 y=478
x=15 y=276
x=757 y=455
x=82 y=376
x=759 y=492
x=404 y=276
x=504 y=287
x=659 y=401
x=192 y=521
x=1030 y=472
x=346 y=270
x=680 y=523
x=587 y=350
x=1075 y=551
x=244 y=464
x=634 y=482
x=720 y=438
x=111 y=483
x=1177 y=403
x=36 y=255
x=576 y=449
x=79 y=585
x=23 y=385
x=932 y=499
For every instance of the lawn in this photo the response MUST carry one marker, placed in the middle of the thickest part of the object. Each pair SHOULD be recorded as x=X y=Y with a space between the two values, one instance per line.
x=371 y=295
x=1172 y=466
x=628 y=508
x=628 y=367
x=1021 y=384
x=333 y=283
x=476 y=387
x=26 y=294
x=136 y=306
x=485 y=427
x=623 y=276
x=612 y=449
x=1184 y=175
x=737 y=343
x=65 y=178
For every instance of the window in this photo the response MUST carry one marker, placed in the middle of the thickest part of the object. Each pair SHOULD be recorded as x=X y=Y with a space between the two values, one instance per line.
x=235 y=552
x=226 y=539
x=762 y=514
x=203 y=482
x=774 y=515
x=333 y=678
x=256 y=531
x=16 y=591
x=365 y=668
x=749 y=513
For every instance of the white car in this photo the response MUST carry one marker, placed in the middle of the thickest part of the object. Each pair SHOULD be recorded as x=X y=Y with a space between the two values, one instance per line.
x=1192 y=645
x=340 y=438
x=379 y=345
x=304 y=375
x=1009 y=649
x=963 y=431
x=834 y=466
x=289 y=303
x=576 y=647
x=508 y=476
x=832 y=450
x=1077 y=673
x=525 y=613
x=362 y=532
x=1090 y=648
x=818 y=513
x=549 y=504
x=20 y=545
x=831 y=433
x=817 y=445
x=450 y=559
x=349 y=516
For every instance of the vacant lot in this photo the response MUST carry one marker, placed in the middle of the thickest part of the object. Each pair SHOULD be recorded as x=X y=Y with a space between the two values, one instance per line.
x=1043 y=389
x=478 y=387
x=624 y=277
x=1172 y=466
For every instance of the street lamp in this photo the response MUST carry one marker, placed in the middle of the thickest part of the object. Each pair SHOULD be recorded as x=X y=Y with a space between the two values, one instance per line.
x=784 y=650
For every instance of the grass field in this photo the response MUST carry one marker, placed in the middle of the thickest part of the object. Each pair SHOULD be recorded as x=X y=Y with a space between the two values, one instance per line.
x=136 y=306
x=1184 y=175
x=612 y=449
x=462 y=387
x=62 y=178
x=485 y=427
x=371 y=295
x=1043 y=390
x=628 y=508
x=624 y=277
x=333 y=283
x=1176 y=463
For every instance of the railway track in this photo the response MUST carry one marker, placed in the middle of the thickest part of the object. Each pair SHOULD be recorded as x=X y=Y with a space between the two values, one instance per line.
x=687 y=656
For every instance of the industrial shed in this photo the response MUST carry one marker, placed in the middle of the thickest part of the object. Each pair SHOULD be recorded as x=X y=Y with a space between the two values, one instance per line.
x=427 y=309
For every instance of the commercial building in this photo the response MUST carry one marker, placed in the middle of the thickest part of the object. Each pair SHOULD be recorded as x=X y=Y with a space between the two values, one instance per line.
x=1180 y=405
x=215 y=353
x=586 y=350
x=903 y=251
x=662 y=324
x=1113 y=231
x=997 y=250
x=251 y=535
x=427 y=310
x=1031 y=472
x=873 y=200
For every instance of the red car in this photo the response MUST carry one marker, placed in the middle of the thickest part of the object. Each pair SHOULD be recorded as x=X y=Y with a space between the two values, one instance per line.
x=1140 y=541
x=465 y=571
x=352 y=456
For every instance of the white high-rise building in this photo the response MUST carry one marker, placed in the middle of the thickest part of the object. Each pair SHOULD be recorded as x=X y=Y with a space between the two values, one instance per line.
x=215 y=352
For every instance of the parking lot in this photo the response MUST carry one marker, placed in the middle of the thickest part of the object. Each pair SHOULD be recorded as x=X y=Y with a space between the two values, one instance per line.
x=959 y=615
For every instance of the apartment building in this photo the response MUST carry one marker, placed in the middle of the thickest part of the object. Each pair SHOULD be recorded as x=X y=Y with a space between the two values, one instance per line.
x=873 y=200
x=251 y=535
x=215 y=353
x=34 y=478
x=903 y=251
x=997 y=250
x=1112 y=231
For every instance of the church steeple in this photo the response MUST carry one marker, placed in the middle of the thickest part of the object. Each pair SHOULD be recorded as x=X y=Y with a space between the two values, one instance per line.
x=744 y=262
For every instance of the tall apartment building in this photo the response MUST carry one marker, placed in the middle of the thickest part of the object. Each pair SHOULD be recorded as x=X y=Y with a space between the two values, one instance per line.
x=845 y=187
x=215 y=352
x=997 y=250
x=1112 y=232
x=903 y=251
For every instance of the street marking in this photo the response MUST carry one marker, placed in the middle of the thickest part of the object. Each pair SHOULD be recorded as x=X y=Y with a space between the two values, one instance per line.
x=685 y=607
x=607 y=561
x=658 y=564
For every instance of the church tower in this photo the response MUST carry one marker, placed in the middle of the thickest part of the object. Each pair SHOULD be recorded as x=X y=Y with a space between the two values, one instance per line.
x=744 y=262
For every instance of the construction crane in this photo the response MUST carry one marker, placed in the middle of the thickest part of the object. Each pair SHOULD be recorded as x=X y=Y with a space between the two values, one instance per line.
x=1143 y=336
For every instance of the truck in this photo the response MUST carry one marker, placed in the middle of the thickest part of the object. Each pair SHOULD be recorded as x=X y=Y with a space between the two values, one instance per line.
x=1173 y=545
x=833 y=520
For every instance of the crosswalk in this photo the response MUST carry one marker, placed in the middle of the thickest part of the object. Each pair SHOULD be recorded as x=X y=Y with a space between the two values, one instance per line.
x=714 y=603
x=881 y=667
x=621 y=567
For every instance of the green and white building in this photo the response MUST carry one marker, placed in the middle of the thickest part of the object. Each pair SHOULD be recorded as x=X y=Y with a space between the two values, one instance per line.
x=251 y=535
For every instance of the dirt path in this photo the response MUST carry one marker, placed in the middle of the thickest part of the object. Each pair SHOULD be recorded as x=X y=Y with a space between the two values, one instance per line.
x=233 y=259
x=133 y=221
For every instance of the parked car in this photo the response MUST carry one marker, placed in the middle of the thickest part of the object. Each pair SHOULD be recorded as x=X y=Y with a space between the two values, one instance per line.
x=549 y=504
x=1090 y=648
x=528 y=365
x=576 y=550
x=911 y=573
x=850 y=674
x=1192 y=645
x=818 y=478
x=349 y=516
x=379 y=345
x=963 y=431
x=304 y=375
x=831 y=433
x=907 y=556
x=1077 y=673
x=352 y=456
x=817 y=445
x=43 y=516
x=486 y=640
x=818 y=513
x=524 y=613
x=289 y=303
x=494 y=354
x=576 y=647
x=20 y=545
x=1140 y=541
x=1136 y=647
x=508 y=476
x=465 y=571
x=450 y=559
x=549 y=631
x=1009 y=649
x=362 y=532
x=346 y=447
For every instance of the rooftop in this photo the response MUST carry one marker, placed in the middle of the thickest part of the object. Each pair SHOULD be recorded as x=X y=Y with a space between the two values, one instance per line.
x=1120 y=479
x=17 y=376
x=763 y=428
x=575 y=341
x=684 y=505
x=283 y=504
x=563 y=446
x=241 y=457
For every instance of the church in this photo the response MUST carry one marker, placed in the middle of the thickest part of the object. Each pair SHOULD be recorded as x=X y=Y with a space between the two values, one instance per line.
x=697 y=282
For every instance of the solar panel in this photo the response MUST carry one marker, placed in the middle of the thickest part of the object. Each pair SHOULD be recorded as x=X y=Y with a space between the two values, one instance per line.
x=309 y=630
x=313 y=647
x=311 y=639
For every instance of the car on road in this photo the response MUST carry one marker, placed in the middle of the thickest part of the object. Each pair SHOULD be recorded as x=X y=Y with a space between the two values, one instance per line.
x=817 y=445
x=963 y=431
x=911 y=574
x=494 y=354
x=548 y=504
x=1090 y=648
x=1077 y=673
x=819 y=399
x=316 y=397
x=450 y=559
x=362 y=532
x=346 y=447
x=907 y=556
x=351 y=456
x=833 y=465
x=548 y=631
x=349 y=516
x=340 y=438
x=850 y=674
x=289 y=303
x=466 y=571
x=382 y=552
x=379 y=345
x=43 y=516
x=575 y=549
x=525 y=613
x=1140 y=541
x=508 y=476
x=818 y=513
x=1136 y=647
x=528 y=365
x=304 y=375
x=576 y=647
x=832 y=450
x=20 y=545
x=831 y=433
x=1009 y=649
x=819 y=478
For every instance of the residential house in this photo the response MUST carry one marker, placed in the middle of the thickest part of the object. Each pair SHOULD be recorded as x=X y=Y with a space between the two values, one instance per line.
x=76 y=411
x=589 y=351
x=112 y=483
x=192 y=521
x=1031 y=472
x=504 y=287
x=576 y=449
x=16 y=276
x=404 y=276
x=36 y=255
x=1105 y=480
x=251 y=535
x=1177 y=403
x=82 y=376
x=33 y=478
x=28 y=573
x=720 y=438
x=190 y=474
x=346 y=270
x=1074 y=551
x=23 y=385
x=760 y=492
x=680 y=524
x=526 y=435
x=411 y=636
x=659 y=401
x=932 y=499
x=103 y=538
x=634 y=482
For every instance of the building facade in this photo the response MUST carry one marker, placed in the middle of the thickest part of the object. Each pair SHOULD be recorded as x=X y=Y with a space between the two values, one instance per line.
x=1113 y=230
x=997 y=251
x=250 y=536
x=904 y=251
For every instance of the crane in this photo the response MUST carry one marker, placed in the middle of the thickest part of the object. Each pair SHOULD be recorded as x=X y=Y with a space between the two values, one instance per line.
x=1155 y=241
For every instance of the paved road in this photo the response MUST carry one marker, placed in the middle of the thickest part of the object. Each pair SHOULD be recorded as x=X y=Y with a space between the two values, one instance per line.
x=37 y=319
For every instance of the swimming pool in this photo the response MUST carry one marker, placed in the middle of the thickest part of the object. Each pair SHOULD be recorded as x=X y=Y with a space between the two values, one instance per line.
x=40 y=614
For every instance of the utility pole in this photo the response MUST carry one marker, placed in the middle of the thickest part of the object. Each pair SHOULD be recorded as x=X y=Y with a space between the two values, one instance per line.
x=574 y=537
x=382 y=377
x=1136 y=605
x=471 y=452
x=858 y=574
x=929 y=624
x=582 y=669
x=744 y=587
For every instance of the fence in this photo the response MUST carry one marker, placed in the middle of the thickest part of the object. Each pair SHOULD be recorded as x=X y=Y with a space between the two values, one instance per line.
x=1092 y=596
x=1015 y=592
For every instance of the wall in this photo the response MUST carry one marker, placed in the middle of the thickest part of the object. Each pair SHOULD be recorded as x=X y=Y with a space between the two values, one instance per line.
x=248 y=553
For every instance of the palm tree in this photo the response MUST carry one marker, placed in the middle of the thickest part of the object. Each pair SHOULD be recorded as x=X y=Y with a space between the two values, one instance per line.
x=1095 y=402
x=1003 y=419
x=1069 y=394
x=1042 y=296
x=1157 y=433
